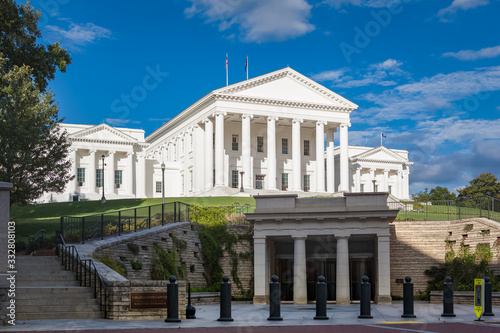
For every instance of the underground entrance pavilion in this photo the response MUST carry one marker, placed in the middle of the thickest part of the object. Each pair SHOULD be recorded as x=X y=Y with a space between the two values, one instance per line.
x=342 y=238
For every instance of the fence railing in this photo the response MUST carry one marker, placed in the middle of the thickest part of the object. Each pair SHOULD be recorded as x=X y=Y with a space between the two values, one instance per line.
x=82 y=228
x=236 y=213
x=444 y=210
x=85 y=272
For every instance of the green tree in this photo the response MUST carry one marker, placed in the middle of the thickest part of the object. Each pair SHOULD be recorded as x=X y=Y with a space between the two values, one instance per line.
x=441 y=193
x=486 y=184
x=421 y=196
x=34 y=150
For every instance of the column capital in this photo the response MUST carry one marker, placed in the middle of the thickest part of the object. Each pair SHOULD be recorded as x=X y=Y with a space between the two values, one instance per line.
x=342 y=237
x=297 y=120
x=272 y=118
x=92 y=151
x=130 y=153
x=321 y=122
x=342 y=125
x=387 y=170
x=373 y=169
x=246 y=115
x=219 y=113
x=299 y=237
x=111 y=152
x=206 y=120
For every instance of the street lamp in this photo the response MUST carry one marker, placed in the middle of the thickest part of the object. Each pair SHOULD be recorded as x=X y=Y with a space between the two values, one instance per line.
x=242 y=173
x=163 y=182
x=103 y=199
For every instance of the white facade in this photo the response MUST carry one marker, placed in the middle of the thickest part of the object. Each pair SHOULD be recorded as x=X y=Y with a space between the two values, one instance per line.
x=267 y=127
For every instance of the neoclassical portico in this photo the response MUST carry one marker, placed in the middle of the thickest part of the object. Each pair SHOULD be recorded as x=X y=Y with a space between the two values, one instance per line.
x=350 y=233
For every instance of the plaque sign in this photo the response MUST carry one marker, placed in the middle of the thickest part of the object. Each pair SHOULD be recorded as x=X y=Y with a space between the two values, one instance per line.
x=148 y=300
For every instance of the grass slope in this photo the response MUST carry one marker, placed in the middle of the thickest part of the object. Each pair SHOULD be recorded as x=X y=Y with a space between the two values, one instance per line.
x=30 y=219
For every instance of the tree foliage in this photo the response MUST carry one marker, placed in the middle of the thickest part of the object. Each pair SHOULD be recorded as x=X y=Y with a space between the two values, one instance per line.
x=34 y=149
x=486 y=184
x=436 y=194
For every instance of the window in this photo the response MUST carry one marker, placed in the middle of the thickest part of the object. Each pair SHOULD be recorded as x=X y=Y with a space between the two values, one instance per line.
x=284 y=181
x=307 y=183
x=260 y=144
x=158 y=187
x=234 y=179
x=284 y=146
x=362 y=187
x=99 y=178
x=259 y=182
x=375 y=188
x=306 y=147
x=190 y=180
x=80 y=175
x=390 y=189
x=235 y=142
x=118 y=177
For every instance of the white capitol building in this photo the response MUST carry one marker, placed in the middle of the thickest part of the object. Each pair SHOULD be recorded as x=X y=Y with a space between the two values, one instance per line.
x=267 y=127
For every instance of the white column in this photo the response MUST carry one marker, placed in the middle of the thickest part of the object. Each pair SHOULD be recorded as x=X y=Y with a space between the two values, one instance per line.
x=386 y=180
x=110 y=173
x=187 y=145
x=358 y=179
x=296 y=156
x=129 y=174
x=271 y=153
x=91 y=172
x=320 y=156
x=399 y=190
x=246 y=151
x=140 y=182
x=209 y=154
x=74 y=182
x=219 y=149
x=372 y=178
x=330 y=161
x=383 y=270
x=406 y=187
x=299 y=271
x=343 y=282
x=260 y=271
x=344 y=158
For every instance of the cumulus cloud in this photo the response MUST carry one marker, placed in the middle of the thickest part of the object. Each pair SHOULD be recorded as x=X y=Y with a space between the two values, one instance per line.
x=362 y=3
x=256 y=20
x=460 y=5
x=488 y=52
x=77 y=34
x=120 y=122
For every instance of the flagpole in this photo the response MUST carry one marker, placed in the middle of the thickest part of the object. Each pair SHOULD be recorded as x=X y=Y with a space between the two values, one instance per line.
x=227 y=70
x=381 y=138
x=247 y=68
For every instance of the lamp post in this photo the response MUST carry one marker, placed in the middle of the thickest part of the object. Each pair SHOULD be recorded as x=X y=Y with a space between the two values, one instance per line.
x=374 y=181
x=242 y=173
x=163 y=182
x=103 y=199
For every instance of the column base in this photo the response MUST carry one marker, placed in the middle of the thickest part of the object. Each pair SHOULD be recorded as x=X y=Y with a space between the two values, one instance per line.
x=260 y=300
x=383 y=299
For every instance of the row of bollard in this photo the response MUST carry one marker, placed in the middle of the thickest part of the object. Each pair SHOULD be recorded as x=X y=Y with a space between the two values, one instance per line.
x=321 y=300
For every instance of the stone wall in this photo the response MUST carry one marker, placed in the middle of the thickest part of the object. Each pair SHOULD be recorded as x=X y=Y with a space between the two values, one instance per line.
x=418 y=245
x=4 y=222
x=462 y=297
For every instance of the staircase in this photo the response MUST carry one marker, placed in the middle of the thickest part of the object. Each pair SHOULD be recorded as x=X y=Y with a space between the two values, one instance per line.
x=46 y=291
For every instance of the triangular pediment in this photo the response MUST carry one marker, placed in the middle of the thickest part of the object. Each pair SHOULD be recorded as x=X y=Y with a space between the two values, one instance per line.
x=380 y=154
x=102 y=133
x=287 y=85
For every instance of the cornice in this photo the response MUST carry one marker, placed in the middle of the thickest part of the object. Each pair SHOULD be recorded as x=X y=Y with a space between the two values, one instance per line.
x=102 y=127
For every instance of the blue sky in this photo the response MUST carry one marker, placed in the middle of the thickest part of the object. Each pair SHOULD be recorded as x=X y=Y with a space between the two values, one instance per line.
x=424 y=72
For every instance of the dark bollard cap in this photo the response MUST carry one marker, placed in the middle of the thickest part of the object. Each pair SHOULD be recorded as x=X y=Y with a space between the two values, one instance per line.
x=408 y=279
x=321 y=279
x=447 y=279
x=225 y=279
x=274 y=278
x=172 y=279
x=486 y=279
x=365 y=278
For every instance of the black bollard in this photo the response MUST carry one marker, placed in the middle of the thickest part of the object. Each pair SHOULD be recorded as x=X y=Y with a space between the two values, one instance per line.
x=408 y=299
x=172 y=301
x=274 y=299
x=364 y=303
x=448 y=298
x=225 y=300
x=488 y=300
x=321 y=299
x=190 y=310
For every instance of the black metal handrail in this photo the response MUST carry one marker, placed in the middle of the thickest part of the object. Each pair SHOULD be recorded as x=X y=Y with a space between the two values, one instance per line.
x=85 y=271
x=39 y=234
x=82 y=228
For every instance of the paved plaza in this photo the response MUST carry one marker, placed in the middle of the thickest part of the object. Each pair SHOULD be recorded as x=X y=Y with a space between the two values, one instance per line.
x=296 y=318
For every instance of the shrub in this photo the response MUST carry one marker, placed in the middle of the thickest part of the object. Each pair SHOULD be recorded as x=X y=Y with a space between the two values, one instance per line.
x=134 y=248
x=115 y=265
x=136 y=264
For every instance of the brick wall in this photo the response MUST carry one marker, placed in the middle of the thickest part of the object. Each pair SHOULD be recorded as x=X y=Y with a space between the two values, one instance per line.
x=418 y=245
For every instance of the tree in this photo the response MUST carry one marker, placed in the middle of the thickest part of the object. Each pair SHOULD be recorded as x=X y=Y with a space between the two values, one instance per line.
x=440 y=194
x=34 y=153
x=421 y=196
x=486 y=184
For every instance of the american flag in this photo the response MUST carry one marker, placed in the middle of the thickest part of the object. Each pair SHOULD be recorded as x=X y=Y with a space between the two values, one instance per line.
x=226 y=61
x=383 y=135
x=246 y=64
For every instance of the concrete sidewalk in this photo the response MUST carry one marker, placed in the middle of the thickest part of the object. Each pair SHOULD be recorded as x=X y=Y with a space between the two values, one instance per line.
x=248 y=315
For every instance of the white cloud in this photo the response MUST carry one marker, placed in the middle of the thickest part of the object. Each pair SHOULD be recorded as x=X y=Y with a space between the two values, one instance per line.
x=162 y=120
x=120 y=122
x=77 y=34
x=257 y=20
x=488 y=52
x=328 y=75
x=362 y=3
x=460 y=4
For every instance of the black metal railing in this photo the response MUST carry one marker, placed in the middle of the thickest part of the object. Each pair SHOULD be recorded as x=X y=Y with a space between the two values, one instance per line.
x=446 y=210
x=236 y=213
x=82 y=228
x=40 y=235
x=85 y=272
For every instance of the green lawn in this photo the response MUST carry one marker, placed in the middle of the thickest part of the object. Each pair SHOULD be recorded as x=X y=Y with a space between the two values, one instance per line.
x=444 y=213
x=30 y=219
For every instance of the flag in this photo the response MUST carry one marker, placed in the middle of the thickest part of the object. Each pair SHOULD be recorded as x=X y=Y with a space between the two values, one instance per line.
x=226 y=61
x=383 y=135
x=246 y=64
